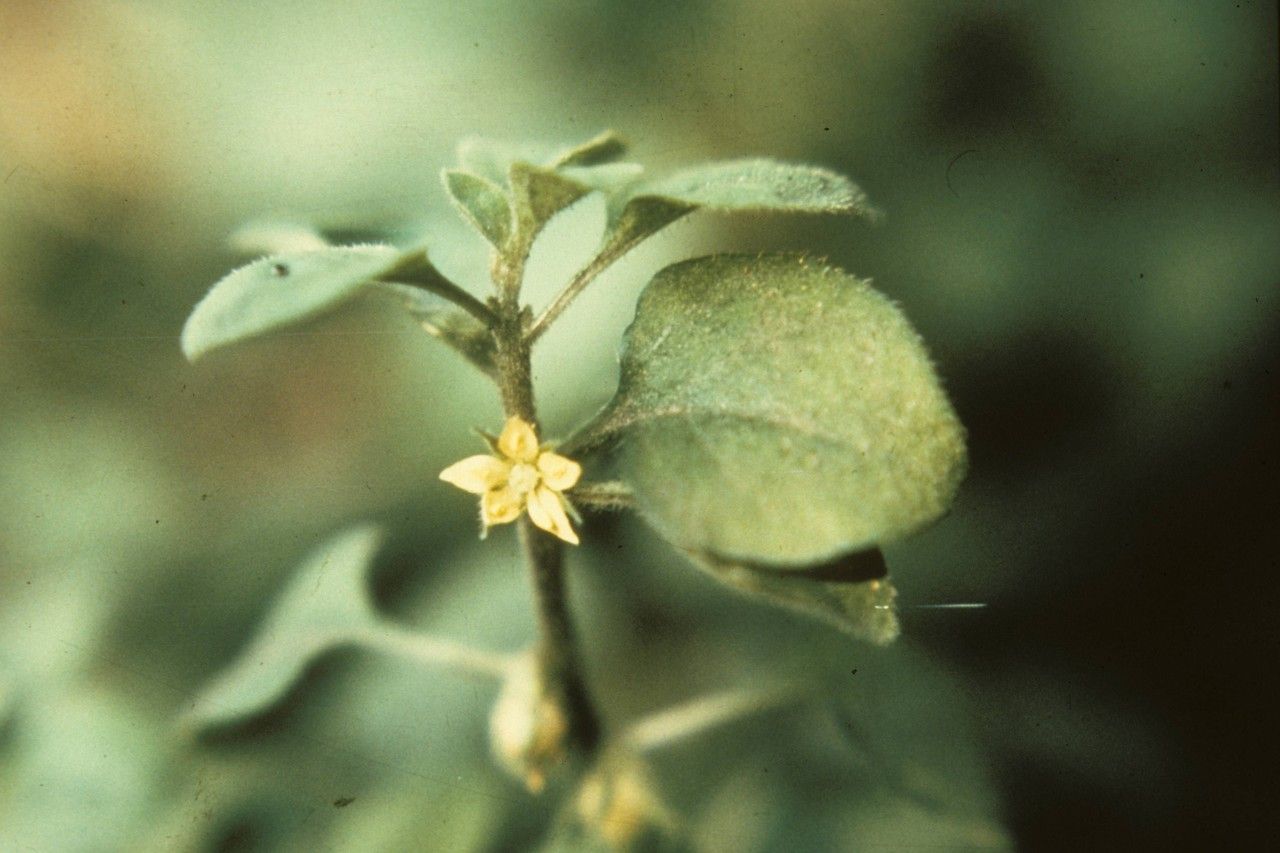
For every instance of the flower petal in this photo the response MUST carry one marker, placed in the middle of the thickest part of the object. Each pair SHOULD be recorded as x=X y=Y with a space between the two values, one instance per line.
x=518 y=440
x=558 y=472
x=500 y=506
x=477 y=474
x=546 y=511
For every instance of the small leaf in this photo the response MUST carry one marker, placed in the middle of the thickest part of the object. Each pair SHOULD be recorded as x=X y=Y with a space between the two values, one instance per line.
x=279 y=290
x=776 y=411
x=760 y=184
x=839 y=593
x=483 y=204
x=736 y=185
x=493 y=158
x=539 y=194
x=325 y=605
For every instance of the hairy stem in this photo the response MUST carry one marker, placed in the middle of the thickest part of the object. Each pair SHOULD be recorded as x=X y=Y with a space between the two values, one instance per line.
x=557 y=650
x=614 y=250
x=417 y=271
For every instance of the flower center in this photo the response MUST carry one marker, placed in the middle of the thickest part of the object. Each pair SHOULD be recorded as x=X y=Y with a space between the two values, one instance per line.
x=523 y=478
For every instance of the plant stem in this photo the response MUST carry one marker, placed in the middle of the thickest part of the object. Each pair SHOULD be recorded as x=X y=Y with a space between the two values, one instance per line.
x=436 y=651
x=614 y=250
x=557 y=649
x=417 y=271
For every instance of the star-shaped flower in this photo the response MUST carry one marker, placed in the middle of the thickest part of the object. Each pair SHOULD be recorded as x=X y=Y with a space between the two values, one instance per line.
x=521 y=475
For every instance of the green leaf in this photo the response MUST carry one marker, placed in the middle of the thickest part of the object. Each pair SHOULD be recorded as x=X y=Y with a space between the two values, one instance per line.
x=482 y=203
x=758 y=185
x=775 y=411
x=280 y=290
x=82 y=771
x=326 y=605
x=538 y=194
x=839 y=593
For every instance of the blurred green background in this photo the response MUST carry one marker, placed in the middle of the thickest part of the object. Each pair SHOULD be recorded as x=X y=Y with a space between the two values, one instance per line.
x=1082 y=208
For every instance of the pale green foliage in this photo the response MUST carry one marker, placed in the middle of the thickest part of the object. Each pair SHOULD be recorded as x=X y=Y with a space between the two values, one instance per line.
x=326 y=605
x=778 y=411
x=82 y=774
x=753 y=185
x=776 y=420
x=280 y=290
x=537 y=195
x=482 y=203
x=761 y=185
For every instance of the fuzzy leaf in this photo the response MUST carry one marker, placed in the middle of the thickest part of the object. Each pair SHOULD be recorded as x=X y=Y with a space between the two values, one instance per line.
x=325 y=605
x=280 y=290
x=482 y=203
x=839 y=593
x=758 y=185
x=776 y=411
x=538 y=194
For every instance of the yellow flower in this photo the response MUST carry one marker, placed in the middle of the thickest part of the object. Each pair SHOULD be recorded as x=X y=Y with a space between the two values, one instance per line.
x=522 y=475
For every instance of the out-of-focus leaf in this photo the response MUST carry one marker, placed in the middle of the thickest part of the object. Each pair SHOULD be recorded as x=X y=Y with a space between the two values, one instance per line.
x=482 y=203
x=280 y=290
x=604 y=148
x=839 y=593
x=776 y=411
x=493 y=158
x=83 y=775
x=325 y=605
x=276 y=238
x=889 y=760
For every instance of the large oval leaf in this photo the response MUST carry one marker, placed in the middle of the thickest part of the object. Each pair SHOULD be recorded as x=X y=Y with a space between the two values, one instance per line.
x=776 y=411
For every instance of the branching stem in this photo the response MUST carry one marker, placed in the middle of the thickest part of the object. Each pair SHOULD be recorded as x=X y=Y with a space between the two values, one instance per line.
x=415 y=270
x=601 y=262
